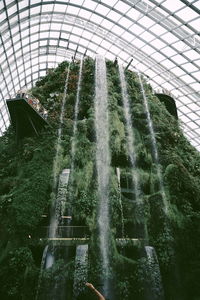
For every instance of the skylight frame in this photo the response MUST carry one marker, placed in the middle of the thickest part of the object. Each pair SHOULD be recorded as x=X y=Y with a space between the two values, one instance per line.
x=51 y=41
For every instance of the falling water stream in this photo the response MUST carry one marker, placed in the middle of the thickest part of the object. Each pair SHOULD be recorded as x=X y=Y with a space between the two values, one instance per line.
x=130 y=134
x=54 y=216
x=102 y=161
x=42 y=267
x=154 y=145
x=81 y=269
x=73 y=144
x=62 y=191
x=155 y=291
x=120 y=201
x=58 y=142
x=48 y=253
x=103 y=165
x=76 y=113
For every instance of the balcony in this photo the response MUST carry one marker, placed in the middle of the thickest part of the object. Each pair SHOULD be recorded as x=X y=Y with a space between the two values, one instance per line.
x=28 y=116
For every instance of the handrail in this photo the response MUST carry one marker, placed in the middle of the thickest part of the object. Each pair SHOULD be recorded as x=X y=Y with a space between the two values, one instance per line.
x=33 y=102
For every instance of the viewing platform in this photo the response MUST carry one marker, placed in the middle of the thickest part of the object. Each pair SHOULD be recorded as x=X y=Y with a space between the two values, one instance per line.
x=79 y=235
x=28 y=116
x=122 y=242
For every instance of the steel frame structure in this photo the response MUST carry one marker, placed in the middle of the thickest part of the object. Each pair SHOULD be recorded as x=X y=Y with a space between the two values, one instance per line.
x=161 y=36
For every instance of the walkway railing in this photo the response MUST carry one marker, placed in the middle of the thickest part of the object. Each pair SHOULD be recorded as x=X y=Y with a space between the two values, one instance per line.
x=34 y=102
x=66 y=231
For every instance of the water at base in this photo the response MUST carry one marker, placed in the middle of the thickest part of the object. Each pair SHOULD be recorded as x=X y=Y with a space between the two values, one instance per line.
x=130 y=134
x=81 y=271
x=42 y=267
x=154 y=145
x=102 y=161
x=49 y=260
x=155 y=288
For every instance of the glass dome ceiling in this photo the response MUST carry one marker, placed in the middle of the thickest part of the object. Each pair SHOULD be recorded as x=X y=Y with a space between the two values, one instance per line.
x=162 y=38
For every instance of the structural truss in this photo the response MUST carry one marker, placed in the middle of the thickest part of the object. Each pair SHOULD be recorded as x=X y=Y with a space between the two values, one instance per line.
x=161 y=36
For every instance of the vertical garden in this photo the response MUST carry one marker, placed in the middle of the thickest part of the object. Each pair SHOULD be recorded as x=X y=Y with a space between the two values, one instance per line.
x=131 y=171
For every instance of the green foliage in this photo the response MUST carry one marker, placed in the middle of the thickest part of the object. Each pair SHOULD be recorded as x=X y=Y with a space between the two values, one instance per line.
x=28 y=190
x=186 y=188
x=18 y=265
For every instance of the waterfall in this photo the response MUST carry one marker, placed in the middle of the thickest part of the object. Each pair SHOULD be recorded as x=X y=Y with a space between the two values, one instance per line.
x=130 y=134
x=62 y=191
x=153 y=142
x=42 y=266
x=155 y=290
x=48 y=253
x=102 y=161
x=55 y=164
x=54 y=217
x=76 y=110
x=58 y=207
x=49 y=259
x=62 y=196
x=120 y=200
x=60 y=202
x=80 y=273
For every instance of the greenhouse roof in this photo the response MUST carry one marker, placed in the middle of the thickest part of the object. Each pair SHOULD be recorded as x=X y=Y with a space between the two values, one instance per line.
x=162 y=38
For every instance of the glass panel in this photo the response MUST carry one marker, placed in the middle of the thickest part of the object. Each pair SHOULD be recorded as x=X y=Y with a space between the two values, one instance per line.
x=35 y=10
x=148 y=49
x=189 y=67
x=90 y=4
x=136 y=29
x=12 y=10
x=1 y=5
x=173 y=6
x=179 y=59
x=96 y=19
x=113 y=16
x=122 y=7
x=24 y=14
x=158 y=57
x=191 y=54
x=102 y=9
x=168 y=51
x=72 y=10
x=111 y=2
x=125 y=22
x=34 y=29
x=47 y=8
x=78 y=2
x=187 y=14
x=168 y=64
x=133 y=14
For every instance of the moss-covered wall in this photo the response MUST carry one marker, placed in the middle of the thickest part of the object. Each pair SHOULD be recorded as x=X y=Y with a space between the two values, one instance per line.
x=26 y=191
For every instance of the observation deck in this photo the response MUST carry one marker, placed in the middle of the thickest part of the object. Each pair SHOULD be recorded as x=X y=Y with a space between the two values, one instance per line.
x=79 y=235
x=27 y=117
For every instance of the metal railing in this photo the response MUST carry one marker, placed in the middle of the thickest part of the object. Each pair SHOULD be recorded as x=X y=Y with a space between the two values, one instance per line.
x=66 y=231
x=33 y=102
